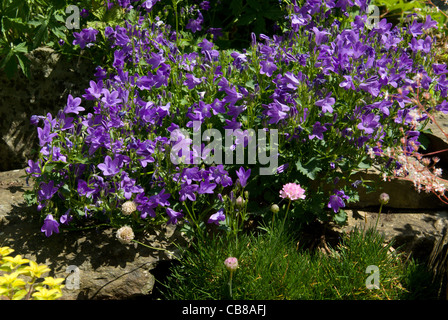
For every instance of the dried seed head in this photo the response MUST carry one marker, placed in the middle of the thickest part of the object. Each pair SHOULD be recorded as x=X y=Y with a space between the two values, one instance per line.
x=125 y=235
x=128 y=208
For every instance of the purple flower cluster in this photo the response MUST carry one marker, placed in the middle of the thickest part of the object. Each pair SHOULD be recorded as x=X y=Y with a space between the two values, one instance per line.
x=331 y=92
x=85 y=38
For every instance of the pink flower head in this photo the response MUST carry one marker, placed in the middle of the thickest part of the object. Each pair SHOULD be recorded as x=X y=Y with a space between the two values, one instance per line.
x=231 y=263
x=292 y=191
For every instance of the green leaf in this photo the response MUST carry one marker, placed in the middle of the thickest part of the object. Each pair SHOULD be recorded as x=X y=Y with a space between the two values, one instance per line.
x=309 y=169
x=41 y=34
x=236 y=6
x=30 y=197
x=24 y=63
x=340 y=217
x=363 y=165
x=21 y=47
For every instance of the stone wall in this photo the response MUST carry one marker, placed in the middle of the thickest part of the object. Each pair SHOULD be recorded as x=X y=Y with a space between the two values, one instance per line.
x=52 y=78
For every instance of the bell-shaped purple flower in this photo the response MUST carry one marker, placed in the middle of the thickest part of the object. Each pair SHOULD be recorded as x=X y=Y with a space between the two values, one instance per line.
x=216 y=217
x=50 y=225
x=243 y=176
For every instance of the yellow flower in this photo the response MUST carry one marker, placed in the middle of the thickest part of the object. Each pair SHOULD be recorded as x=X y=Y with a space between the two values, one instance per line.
x=34 y=270
x=45 y=294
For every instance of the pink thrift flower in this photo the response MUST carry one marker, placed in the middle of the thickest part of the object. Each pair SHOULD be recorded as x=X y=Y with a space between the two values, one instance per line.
x=231 y=263
x=292 y=191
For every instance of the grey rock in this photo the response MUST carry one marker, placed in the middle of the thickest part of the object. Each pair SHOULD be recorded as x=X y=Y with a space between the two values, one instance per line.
x=412 y=232
x=53 y=77
x=93 y=262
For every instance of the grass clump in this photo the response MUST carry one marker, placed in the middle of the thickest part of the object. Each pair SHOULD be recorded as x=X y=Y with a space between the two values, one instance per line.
x=272 y=266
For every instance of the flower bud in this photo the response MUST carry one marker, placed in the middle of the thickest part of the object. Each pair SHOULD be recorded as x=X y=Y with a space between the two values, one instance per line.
x=384 y=198
x=239 y=202
x=231 y=263
x=275 y=208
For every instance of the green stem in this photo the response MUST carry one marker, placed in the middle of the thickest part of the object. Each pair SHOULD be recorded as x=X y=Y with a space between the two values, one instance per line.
x=230 y=284
x=378 y=218
x=145 y=245
x=287 y=210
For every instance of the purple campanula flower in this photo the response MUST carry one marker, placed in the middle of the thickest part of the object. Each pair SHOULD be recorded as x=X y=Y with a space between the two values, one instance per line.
x=195 y=24
x=298 y=20
x=415 y=29
x=321 y=36
x=232 y=96
x=50 y=225
x=73 y=105
x=95 y=90
x=216 y=32
x=206 y=187
x=111 y=167
x=443 y=107
x=119 y=57
x=161 y=199
x=110 y=98
x=343 y=4
x=188 y=192
x=429 y=23
x=84 y=13
x=173 y=215
x=84 y=189
x=268 y=67
x=128 y=185
x=347 y=83
x=145 y=206
x=34 y=120
x=318 y=131
x=34 y=168
x=205 y=5
x=192 y=81
x=85 y=38
x=336 y=200
x=216 y=217
x=371 y=86
x=326 y=103
x=46 y=191
x=369 y=123
x=100 y=73
x=66 y=217
x=44 y=135
x=148 y=4
x=243 y=176
x=277 y=111
x=282 y=168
